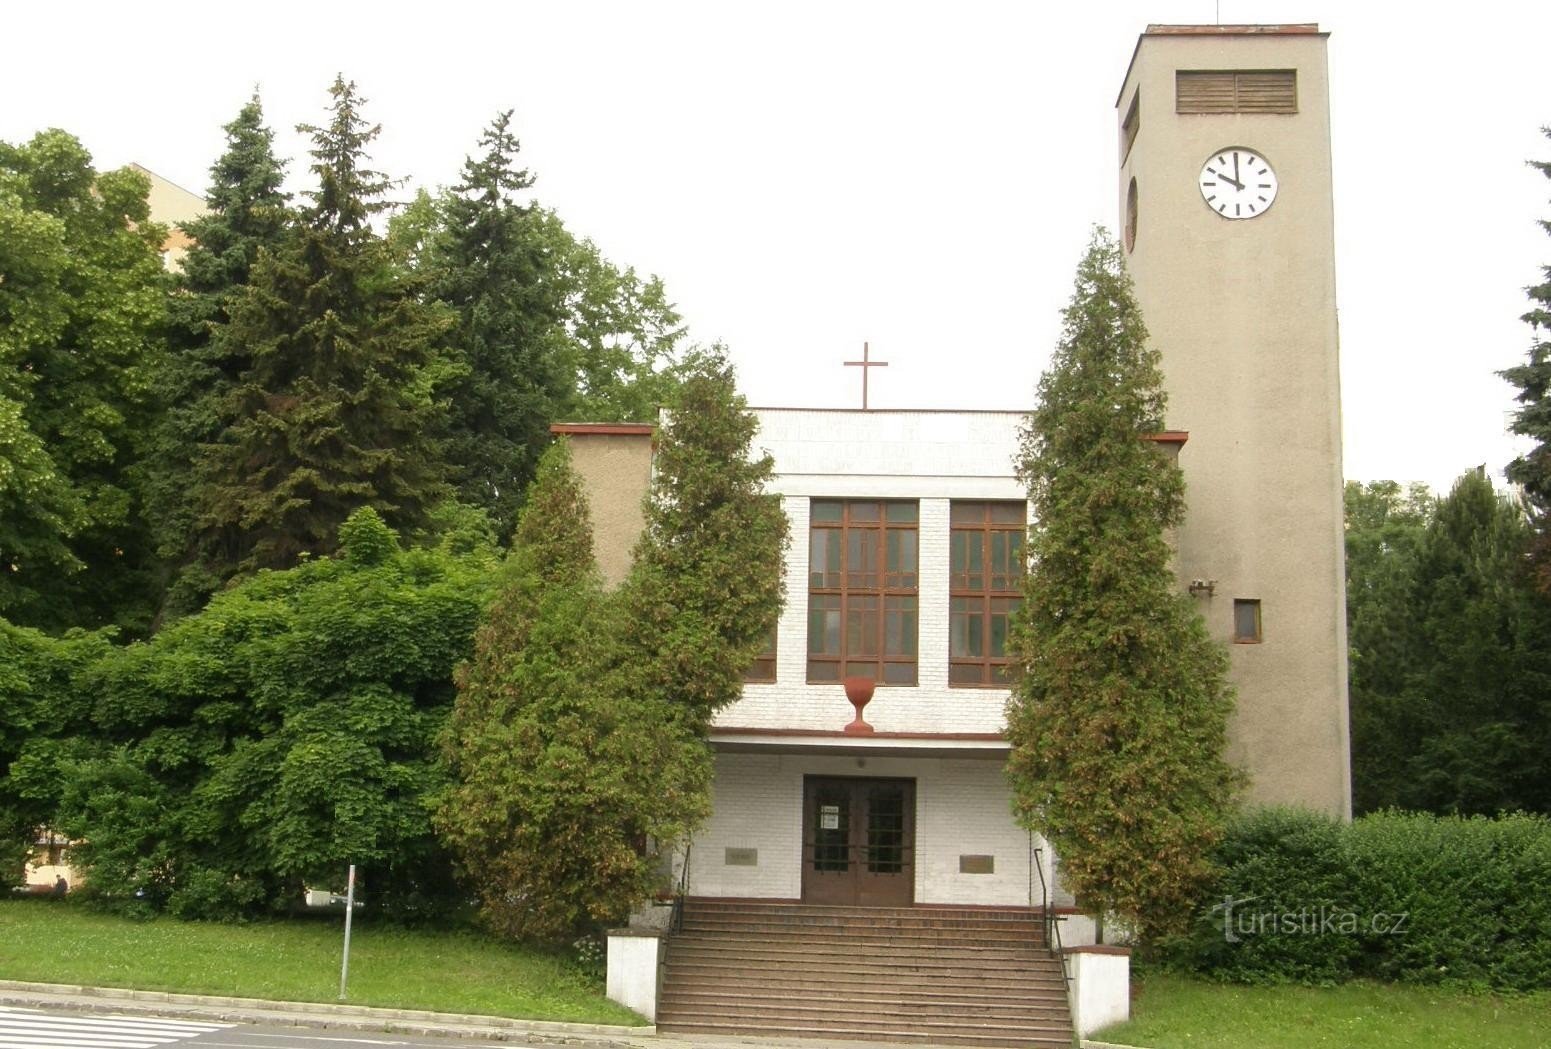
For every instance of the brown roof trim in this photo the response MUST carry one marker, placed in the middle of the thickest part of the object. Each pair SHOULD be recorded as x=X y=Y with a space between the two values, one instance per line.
x=613 y=429
x=1168 y=436
x=1237 y=29
x=824 y=733
x=1283 y=29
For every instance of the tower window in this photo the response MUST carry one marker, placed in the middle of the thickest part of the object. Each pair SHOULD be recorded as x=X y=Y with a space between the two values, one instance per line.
x=1246 y=622
x=1236 y=91
x=1130 y=126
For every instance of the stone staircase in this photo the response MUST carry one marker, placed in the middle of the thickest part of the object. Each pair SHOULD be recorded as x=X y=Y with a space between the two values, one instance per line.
x=928 y=974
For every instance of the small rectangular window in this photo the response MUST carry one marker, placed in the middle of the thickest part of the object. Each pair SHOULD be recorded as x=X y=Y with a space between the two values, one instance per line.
x=1236 y=91
x=764 y=666
x=1130 y=126
x=1246 y=621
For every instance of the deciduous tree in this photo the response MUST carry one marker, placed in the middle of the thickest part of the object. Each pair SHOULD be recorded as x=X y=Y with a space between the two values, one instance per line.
x=81 y=313
x=283 y=732
x=1118 y=717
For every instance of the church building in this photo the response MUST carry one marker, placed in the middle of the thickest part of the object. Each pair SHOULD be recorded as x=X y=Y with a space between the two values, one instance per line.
x=832 y=821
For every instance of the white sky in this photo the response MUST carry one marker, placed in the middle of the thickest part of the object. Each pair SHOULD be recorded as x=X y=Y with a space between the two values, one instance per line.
x=806 y=176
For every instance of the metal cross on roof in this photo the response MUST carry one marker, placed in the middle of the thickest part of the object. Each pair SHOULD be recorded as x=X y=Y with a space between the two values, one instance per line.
x=865 y=363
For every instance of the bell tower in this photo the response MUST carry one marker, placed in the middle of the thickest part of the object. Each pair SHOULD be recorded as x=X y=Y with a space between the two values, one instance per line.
x=1227 y=219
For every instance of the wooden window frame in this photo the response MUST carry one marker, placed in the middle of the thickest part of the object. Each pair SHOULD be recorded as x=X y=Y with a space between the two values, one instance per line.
x=763 y=670
x=1259 y=635
x=847 y=595
x=992 y=668
x=1131 y=125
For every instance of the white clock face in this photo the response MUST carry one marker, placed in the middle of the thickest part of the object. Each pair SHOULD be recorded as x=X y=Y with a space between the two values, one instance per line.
x=1238 y=183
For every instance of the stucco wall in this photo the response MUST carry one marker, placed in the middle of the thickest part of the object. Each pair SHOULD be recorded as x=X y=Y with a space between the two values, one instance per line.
x=961 y=808
x=617 y=471
x=1244 y=315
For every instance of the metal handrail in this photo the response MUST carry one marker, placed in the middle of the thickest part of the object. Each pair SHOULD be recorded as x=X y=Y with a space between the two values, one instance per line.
x=1052 y=923
x=676 y=919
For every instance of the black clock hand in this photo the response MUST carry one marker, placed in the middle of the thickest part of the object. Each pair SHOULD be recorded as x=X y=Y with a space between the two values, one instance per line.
x=1236 y=171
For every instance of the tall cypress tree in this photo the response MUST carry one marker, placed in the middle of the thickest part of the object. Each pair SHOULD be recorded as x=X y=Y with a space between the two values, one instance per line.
x=248 y=211
x=337 y=407
x=1533 y=378
x=1118 y=719
x=491 y=266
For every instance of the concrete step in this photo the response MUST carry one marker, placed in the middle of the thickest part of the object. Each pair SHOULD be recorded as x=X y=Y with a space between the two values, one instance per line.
x=722 y=1000
x=824 y=949
x=866 y=988
x=1047 y=1038
x=941 y=975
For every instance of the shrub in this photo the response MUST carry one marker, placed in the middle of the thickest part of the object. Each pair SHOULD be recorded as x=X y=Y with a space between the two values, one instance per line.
x=1408 y=897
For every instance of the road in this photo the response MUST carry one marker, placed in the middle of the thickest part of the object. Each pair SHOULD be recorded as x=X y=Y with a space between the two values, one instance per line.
x=57 y=1029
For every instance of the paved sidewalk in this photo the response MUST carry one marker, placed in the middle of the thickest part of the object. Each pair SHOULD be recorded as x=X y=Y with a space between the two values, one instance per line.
x=401 y=1021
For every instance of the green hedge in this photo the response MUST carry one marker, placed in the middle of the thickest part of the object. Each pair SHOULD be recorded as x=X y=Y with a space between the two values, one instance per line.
x=1394 y=896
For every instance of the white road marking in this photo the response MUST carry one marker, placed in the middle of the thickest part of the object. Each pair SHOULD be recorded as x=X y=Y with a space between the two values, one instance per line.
x=34 y=1029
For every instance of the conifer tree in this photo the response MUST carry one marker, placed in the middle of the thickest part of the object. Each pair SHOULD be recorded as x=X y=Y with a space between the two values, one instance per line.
x=1118 y=717
x=1469 y=720
x=491 y=267
x=248 y=211
x=706 y=586
x=557 y=778
x=1533 y=378
x=337 y=407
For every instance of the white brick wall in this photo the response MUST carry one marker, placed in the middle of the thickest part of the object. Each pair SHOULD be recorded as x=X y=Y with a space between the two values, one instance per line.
x=961 y=809
x=932 y=457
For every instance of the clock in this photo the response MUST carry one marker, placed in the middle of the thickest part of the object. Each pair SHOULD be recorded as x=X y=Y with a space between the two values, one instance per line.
x=1238 y=183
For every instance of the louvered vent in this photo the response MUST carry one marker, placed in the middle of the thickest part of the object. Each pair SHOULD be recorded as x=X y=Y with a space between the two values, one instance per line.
x=1236 y=91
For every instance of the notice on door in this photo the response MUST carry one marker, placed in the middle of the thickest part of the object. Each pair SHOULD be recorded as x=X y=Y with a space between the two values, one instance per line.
x=829 y=817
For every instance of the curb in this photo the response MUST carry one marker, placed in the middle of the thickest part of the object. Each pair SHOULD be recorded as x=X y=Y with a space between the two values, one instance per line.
x=319 y=1014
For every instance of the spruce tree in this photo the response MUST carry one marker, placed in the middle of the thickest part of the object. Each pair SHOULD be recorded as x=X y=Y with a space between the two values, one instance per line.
x=1472 y=722
x=490 y=266
x=1118 y=716
x=1533 y=378
x=338 y=405
x=248 y=211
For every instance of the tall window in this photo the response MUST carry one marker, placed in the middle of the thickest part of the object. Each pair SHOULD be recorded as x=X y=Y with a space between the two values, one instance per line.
x=862 y=591
x=985 y=572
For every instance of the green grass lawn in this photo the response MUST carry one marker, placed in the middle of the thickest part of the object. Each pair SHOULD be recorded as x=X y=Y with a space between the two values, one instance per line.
x=55 y=942
x=1174 y=1013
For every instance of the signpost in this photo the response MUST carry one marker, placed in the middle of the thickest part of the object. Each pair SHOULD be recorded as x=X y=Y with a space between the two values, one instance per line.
x=344 y=969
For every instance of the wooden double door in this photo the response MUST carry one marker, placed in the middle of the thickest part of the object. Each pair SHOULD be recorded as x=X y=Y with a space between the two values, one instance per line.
x=858 y=841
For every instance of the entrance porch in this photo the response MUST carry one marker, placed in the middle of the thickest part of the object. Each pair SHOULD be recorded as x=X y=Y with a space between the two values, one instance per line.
x=885 y=823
